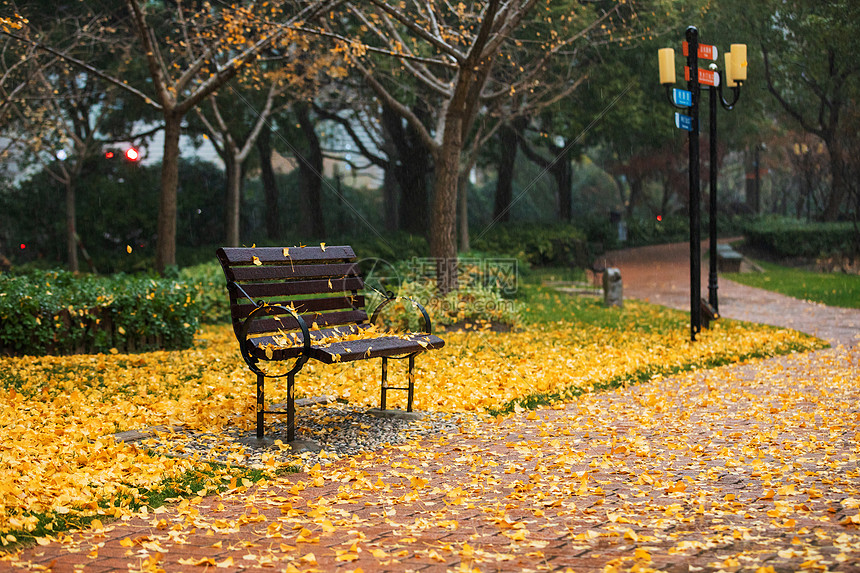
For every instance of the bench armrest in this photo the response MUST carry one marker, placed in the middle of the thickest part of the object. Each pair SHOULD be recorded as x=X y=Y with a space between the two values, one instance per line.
x=428 y=327
x=269 y=310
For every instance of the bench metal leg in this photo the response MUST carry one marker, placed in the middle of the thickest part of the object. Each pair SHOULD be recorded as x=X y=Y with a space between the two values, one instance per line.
x=384 y=382
x=261 y=407
x=411 y=378
x=261 y=403
x=291 y=408
x=410 y=387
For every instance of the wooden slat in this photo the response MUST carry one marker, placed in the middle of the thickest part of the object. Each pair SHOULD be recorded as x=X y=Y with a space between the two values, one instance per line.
x=304 y=306
x=258 y=342
x=287 y=322
x=355 y=349
x=292 y=272
x=316 y=335
x=374 y=347
x=232 y=256
x=320 y=286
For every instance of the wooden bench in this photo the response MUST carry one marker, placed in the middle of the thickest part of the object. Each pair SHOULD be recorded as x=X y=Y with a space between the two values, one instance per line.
x=305 y=303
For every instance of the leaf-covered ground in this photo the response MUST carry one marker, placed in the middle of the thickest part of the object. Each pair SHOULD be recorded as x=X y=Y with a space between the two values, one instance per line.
x=742 y=468
x=59 y=414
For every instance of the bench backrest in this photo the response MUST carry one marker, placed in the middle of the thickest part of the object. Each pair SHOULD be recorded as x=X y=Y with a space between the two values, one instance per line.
x=321 y=284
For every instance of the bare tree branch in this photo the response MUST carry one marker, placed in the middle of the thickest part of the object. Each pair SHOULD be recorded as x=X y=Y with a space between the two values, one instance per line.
x=789 y=109
x=416 y=29
x=92 y=69
x=371 y=49
x=346 y=124
x=401 y=109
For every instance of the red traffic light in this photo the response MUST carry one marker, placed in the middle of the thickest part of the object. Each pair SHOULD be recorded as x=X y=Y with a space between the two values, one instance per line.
x=108 y=154
x=132 y=154
x=659 y=217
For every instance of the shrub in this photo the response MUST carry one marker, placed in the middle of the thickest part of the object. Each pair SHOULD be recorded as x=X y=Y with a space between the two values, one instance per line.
x=208 y=286
x=392 y=247
x=474 y=304
x=539 y=245
x=649 y=231
x=781 y=238
x=57 y=312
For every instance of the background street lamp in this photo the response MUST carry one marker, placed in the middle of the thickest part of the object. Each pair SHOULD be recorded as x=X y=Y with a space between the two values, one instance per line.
x=734 y=78
x=736 y=74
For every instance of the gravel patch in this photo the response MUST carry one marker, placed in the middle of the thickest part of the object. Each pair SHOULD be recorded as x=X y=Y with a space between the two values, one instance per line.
x=331 y=429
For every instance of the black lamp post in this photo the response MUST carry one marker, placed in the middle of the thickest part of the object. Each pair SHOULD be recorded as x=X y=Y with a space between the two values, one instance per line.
x=736 y=73
x=716 y=93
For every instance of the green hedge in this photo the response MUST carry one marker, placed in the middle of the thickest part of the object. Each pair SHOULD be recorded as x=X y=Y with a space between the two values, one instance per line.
x=209 y=288
x=539 y=245
x=793 y=238
x=649 y=231
x=57 y=312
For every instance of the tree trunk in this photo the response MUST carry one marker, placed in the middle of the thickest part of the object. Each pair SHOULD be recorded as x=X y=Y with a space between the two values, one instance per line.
x=389 y=200
x=664 y=197
x=311 y=169
x=838 y=181
x=414 y=198
x=505 y=182
x=234 y=197
x=753 y=190
x=165 y=252
x=410 y=165
x=270 y=185
x=561 y=169
x=443 y=240
x=563 y=175
x=71 y=226
x=636 y=194
x=463 y=208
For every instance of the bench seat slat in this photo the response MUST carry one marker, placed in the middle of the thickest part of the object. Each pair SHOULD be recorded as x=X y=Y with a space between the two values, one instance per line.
x=316 y=286
x=292 y=272
x=375 y=347
x=305 y=306
x=352 y=349
x=257 y=342
x=287 y=323
x=236 y=256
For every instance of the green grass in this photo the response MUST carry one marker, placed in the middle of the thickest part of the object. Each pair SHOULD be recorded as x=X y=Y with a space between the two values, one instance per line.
x=541 y=399
x=207 y=478
x=545 y=305
x=832 y=289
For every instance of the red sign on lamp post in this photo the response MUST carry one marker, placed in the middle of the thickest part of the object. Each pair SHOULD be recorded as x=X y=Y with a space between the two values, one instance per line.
x=706 y=51
x=706 y=77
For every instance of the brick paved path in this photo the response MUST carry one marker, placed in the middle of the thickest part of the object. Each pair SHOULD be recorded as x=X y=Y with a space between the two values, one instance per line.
x=661 y=274
x=744 y=468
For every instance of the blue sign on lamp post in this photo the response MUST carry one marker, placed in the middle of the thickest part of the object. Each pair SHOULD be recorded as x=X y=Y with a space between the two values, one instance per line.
x=684 y=122
x=682 y=98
